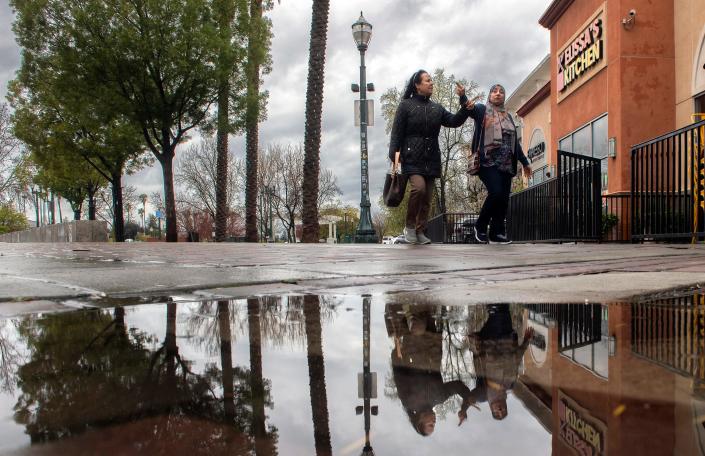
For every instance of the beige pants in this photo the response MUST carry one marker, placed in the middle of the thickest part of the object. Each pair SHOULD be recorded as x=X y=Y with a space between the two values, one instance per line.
x=419 y=201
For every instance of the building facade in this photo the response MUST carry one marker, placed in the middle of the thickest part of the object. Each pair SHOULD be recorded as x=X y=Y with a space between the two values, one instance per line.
x=620 y=74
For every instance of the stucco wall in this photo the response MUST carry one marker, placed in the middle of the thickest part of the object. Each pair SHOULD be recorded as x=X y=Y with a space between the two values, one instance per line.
x=636 y=88
x=75 y=231
x=689 y=19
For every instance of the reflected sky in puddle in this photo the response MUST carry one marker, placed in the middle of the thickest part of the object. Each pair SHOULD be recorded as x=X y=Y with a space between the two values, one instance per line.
x=299 y=375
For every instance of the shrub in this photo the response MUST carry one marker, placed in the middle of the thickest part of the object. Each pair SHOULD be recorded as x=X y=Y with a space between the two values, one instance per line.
x=11 y=220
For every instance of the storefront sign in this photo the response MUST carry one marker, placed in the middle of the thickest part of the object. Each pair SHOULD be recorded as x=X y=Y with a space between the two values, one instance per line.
x=581 y=432
x=582 y=56
x=536 y=152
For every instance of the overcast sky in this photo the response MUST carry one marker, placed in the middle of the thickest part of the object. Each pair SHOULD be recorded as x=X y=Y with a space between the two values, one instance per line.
x=484 y=40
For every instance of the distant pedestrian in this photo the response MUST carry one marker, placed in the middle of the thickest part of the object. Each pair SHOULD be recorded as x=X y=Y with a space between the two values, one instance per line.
x=496 y=139
x=414 y=144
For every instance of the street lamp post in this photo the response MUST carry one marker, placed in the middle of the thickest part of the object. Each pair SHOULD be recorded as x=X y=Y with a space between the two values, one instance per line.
x=362 y=32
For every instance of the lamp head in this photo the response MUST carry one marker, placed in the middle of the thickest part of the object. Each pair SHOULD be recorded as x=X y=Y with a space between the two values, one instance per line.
x=362 y=32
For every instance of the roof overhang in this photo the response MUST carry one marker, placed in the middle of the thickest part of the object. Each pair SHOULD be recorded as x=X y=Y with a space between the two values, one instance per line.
x=554 y=12
x=534 y=101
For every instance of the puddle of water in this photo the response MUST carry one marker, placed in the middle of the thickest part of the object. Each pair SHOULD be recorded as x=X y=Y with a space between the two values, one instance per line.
x=350 y=375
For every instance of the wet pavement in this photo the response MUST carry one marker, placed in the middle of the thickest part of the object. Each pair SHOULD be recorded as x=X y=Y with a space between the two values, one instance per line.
x=44 y=276
x=329 y=374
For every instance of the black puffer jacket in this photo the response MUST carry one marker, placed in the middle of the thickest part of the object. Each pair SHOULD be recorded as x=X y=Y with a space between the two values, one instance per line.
x=415 y=133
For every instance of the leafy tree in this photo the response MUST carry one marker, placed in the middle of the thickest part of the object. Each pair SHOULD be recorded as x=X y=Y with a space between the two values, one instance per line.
x=312 y=130
x=11 y=220
x=151 y=61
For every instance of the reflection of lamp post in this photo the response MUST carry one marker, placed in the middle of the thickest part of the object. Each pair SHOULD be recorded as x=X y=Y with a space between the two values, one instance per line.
x=362 y=32
x=366 y=380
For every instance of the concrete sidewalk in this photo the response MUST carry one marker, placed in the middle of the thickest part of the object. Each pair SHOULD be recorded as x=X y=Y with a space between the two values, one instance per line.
x=56 y=276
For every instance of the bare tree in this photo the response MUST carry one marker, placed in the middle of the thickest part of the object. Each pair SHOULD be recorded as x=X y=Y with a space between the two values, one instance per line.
x=196 y=175
x=286 y=163
x=328 y=190
x=281 y=172
x=380 y=223
x=104 y=204
x=13 y=172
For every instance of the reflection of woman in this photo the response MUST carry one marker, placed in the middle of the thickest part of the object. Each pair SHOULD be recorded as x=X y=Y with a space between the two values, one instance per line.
x=416 y=366
x=496 y=357
x=495 y=137
x=414 y=142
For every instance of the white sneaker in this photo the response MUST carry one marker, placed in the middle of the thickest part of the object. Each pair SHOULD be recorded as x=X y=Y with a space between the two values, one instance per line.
x=410 y=235
x=423 y=239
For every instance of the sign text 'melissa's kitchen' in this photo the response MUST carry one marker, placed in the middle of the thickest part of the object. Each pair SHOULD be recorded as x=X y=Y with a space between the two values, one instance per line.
x=580 y=55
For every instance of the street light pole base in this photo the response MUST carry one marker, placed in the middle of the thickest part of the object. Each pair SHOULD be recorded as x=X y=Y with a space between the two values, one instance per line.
x=366 y=237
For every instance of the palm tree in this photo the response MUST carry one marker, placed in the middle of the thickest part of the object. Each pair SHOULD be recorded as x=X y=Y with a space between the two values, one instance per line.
x=255 y=57
x=143 y=198
x=225 y=11
x=312 y=130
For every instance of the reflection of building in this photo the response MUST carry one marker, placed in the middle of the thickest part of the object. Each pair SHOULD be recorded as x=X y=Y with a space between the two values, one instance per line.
x=616 y=79
x=620 y=378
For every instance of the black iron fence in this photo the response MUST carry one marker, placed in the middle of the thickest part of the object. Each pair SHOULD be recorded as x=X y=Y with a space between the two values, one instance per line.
x=565 y=208
x=668 y=186
x=616 y=217
x=452 y=228
x=534 y=213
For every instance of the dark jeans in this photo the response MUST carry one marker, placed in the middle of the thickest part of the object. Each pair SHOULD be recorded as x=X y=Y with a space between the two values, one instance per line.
x=494 y=210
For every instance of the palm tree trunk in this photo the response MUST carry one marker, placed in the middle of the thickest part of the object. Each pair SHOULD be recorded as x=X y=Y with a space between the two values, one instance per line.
x=312 y=130
x=225 y=19
x=118 y=220
x=254 y=60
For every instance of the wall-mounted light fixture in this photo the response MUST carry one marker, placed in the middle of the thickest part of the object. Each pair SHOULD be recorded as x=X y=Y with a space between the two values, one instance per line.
x=612 y=345
x=629 y=21
x=612 y=147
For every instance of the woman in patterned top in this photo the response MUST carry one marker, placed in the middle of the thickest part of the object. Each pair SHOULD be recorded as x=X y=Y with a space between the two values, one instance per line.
x=495 y=137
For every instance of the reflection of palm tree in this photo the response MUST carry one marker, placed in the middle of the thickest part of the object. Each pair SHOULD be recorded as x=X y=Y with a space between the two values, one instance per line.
x=226 y=359
x=265 y=443
x=317 y=376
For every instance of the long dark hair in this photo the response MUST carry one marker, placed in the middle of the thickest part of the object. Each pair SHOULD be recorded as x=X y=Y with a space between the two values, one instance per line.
x=411 y=86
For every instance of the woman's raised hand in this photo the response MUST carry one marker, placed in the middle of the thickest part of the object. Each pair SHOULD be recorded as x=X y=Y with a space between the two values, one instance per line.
x=459 y=89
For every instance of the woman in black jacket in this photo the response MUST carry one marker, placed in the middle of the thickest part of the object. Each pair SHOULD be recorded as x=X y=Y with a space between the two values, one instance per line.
x=414 y=143
x=495 y=137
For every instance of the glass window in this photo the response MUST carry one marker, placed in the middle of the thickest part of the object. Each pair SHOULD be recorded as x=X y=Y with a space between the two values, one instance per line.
x=599 y=138
x=582 y=141
x=592 y=141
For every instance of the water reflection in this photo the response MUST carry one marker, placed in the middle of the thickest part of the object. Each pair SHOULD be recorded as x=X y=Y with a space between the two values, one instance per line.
x=238 y=377
x=416 y=359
